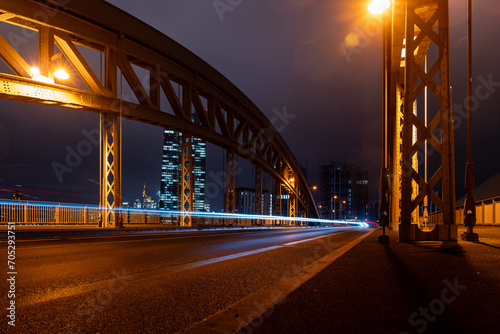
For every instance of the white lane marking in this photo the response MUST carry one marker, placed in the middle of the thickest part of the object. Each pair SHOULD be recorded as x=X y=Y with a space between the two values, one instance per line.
x=67 y=292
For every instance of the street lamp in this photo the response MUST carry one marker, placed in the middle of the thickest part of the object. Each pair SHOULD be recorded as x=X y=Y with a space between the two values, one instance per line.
x=58 y=68
x=469 y=205
x=377 y=7
x=342 y=210
x=331 y=206
x=61 y=74
x=380 y=7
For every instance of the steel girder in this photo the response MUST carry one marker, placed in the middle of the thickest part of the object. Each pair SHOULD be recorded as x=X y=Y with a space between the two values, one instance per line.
x=416 y=27
x=228 y=118
x=186 y=182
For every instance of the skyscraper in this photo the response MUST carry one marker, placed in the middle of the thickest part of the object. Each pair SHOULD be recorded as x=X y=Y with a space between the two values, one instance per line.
x=199 y=167
x=170 y=174
x=344 y=190
x=172 y=167
x=245 y=201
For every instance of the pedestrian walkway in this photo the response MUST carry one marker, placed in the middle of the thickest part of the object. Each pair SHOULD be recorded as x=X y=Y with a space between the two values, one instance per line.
x=419 y=287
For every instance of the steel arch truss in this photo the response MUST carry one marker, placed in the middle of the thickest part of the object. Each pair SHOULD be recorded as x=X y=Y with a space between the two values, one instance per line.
x=168 y=83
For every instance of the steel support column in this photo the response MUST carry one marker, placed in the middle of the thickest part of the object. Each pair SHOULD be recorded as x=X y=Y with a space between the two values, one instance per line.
x=186 y=181
x=110 y=172
x=230 y=182
x=258 y=209
x=394 y=154
x=292 y=207
x=277 y=199
x=303 y=214
x=425 y=22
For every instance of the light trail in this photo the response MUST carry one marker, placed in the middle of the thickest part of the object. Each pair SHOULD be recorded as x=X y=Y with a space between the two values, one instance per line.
x=195 y=214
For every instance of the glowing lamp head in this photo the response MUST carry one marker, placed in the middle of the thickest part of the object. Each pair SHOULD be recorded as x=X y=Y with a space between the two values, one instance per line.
x=35 y=71
x=61 y=74
x=292 y=179
x=377 y=7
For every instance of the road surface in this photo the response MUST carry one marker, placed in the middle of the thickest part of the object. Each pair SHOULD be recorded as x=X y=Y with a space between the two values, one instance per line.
x=155 y=283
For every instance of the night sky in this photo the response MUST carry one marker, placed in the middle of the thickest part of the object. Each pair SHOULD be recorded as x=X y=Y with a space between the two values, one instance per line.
x=282 y=54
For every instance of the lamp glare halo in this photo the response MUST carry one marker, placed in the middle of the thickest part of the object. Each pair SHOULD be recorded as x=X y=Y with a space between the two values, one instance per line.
x=377 y=7
x=61 y=74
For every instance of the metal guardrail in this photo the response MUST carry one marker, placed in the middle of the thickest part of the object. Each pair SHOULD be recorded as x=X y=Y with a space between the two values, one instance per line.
x=47 y=214
x=42 y=213
x=487 y=213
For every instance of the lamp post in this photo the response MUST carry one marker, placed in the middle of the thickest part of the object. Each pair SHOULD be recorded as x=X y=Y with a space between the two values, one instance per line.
x=332 y=211
x=342 y=209
x=380 y=7
x=469 y=205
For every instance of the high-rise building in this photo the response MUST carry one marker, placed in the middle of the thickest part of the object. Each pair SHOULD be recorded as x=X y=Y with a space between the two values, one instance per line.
x=245 y=201
x=172 y=168
x=199 y=167
x=344 y=191
x=170 y=174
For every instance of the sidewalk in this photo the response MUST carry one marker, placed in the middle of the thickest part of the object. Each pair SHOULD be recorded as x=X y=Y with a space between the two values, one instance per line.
x=420 y=287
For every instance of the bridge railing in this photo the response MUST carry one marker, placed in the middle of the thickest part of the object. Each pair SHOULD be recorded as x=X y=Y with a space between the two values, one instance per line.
x=487 y=213
x=42 y=213
x=47 y=214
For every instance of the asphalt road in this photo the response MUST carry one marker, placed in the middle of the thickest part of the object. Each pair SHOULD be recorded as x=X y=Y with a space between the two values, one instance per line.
x=153 y=283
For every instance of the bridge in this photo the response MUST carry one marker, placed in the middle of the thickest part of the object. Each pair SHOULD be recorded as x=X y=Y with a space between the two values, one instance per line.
x=263 y=279
x=170 y=84
x=178 y=84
